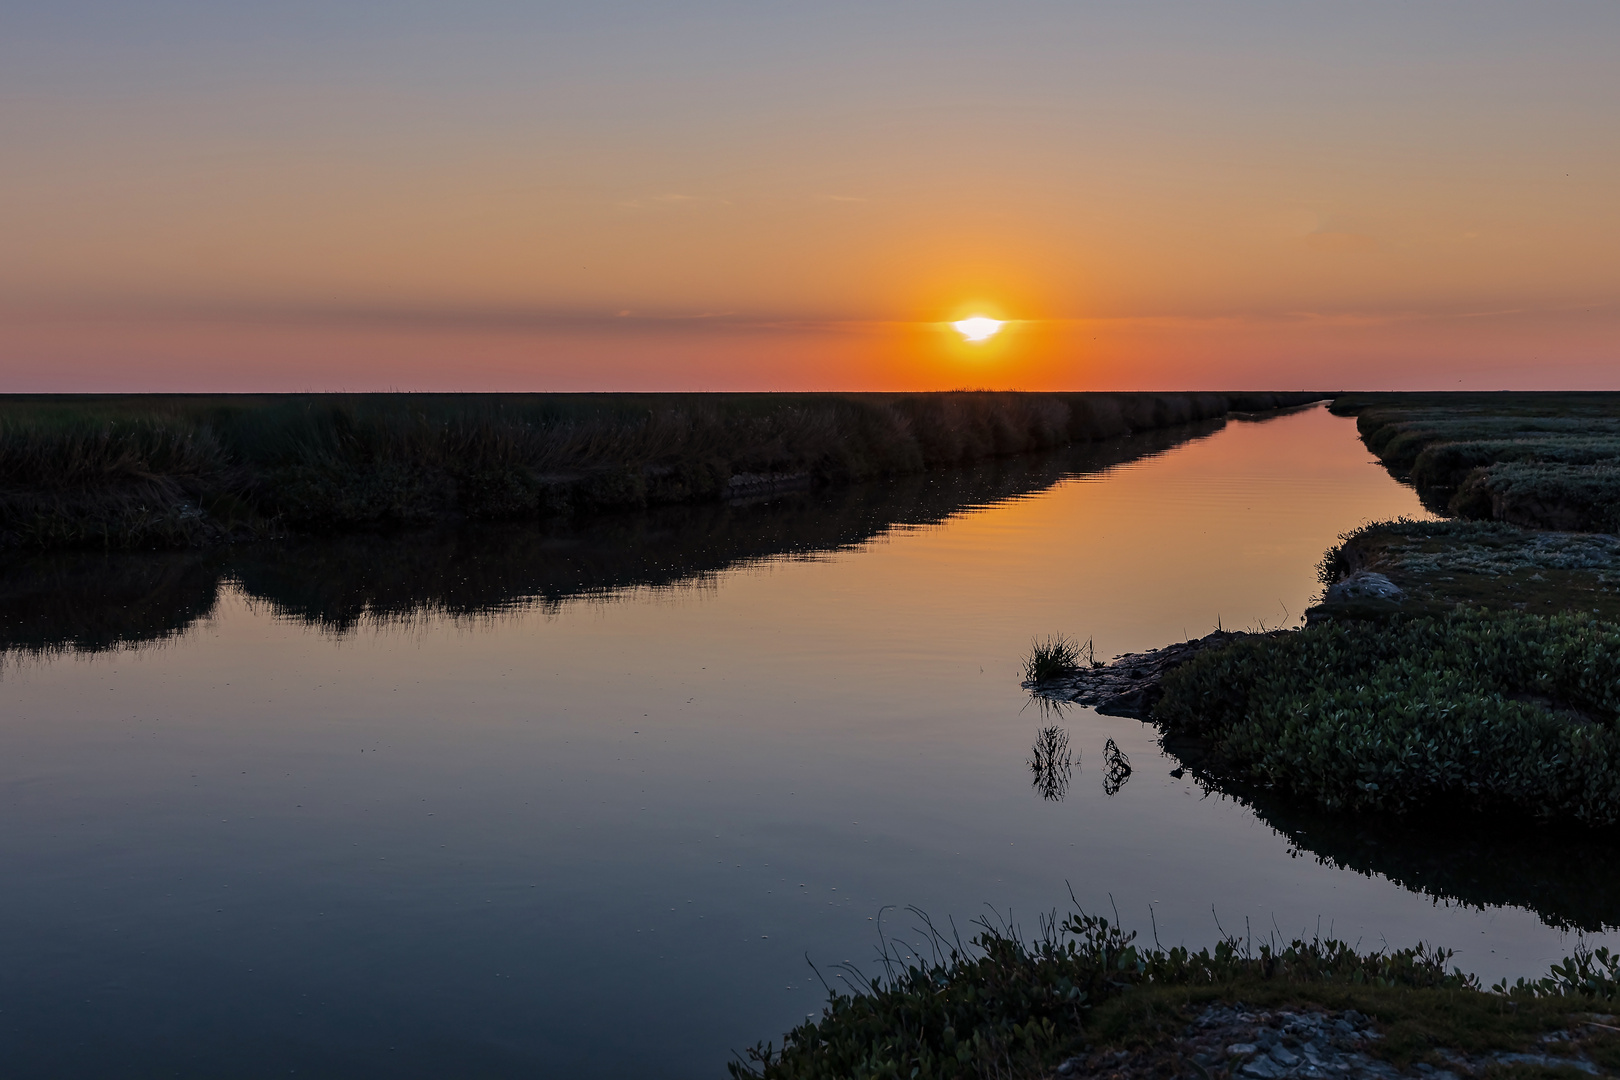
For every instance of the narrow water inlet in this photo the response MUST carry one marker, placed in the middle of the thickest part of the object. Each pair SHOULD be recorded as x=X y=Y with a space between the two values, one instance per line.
x=582 y=805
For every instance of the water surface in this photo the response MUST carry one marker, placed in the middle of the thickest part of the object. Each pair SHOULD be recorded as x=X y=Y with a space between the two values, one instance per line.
x=580 y=803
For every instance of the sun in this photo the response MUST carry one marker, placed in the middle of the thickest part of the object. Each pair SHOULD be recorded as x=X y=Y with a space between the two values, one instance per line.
x=978 y=328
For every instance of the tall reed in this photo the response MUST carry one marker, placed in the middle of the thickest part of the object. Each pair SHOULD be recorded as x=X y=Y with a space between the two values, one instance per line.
x=166 y=470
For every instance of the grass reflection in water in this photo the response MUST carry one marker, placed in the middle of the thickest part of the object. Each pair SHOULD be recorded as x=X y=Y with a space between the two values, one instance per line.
x=96 y=601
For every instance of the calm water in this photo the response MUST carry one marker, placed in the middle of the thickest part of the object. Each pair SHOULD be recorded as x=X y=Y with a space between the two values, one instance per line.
x=505 y=803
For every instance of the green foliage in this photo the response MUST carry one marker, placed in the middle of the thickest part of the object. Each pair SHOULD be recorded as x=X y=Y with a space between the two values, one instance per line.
x=1547 y=461
x=1002 y=1005
x=1542 y=495
x=1441 y=565
x=1590 y=973
x=1448 y=464
x=1475 y=710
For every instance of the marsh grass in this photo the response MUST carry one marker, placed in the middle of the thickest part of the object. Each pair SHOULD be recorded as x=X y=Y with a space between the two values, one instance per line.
x=1545 y=495
x=1055 y=657
x=177 y=470
x=1549 y=461
x=1472 y=710
x=474 y=572
x=1442 y=565
x=1058 y=655
x=1001 y=1004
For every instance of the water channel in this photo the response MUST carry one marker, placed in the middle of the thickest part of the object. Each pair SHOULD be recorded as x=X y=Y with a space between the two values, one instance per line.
x=519 y=802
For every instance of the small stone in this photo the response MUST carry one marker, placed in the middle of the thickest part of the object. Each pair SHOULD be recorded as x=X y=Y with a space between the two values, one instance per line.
x=1364 y=585
x=1284 y=1056
x=1241 y=1049
x=1262 y=1069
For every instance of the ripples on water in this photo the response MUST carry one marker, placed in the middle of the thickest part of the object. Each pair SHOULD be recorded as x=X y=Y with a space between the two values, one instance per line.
x=507 y=801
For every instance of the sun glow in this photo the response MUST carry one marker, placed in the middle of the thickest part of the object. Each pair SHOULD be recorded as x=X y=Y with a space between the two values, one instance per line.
x=978 y=328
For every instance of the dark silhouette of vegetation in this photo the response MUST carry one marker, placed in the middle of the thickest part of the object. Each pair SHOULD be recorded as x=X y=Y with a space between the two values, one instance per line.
x=1053 y=657
x=95 y=600
x=1003 y=1005
x=1560 y=874
x=174 y=471
x=1117 y=768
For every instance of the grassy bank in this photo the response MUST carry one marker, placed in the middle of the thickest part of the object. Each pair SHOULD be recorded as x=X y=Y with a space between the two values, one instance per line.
x=1440 y=566
x=1452 y=695
x=1487 y=680
x=1543 y=460
x=1475 y=710
x=94 y=600
x=1459 y=666
x=1002 y=1006
x=171 y=471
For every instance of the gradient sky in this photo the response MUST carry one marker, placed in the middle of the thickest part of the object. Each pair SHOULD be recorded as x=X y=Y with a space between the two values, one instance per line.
x=496 y=194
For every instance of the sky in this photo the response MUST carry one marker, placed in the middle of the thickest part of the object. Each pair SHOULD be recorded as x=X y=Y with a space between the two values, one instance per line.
x=505 y=195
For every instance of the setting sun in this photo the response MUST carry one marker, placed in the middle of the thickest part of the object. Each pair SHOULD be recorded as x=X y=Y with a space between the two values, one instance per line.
x=978 y=328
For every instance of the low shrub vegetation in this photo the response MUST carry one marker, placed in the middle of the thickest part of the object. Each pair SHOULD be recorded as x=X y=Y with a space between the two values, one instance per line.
x=1471 y=710
x=1545 y=495
x=1001 y=1005
x=1542 y=460
x=1441 y=565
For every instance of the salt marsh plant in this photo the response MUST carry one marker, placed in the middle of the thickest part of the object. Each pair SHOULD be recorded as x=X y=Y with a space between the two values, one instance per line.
x=145 y=470
x=1473 y=710
x=1541 y=460
x=1003 y=1005
x=1057 y=656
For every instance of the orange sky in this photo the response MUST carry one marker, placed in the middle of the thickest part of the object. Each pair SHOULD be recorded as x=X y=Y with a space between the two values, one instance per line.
x=730 y=196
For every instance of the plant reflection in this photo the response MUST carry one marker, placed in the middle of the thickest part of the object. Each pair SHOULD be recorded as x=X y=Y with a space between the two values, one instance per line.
x=97 y=601
x=1118 y=768
x=1464 y=859
x=1051 y=763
